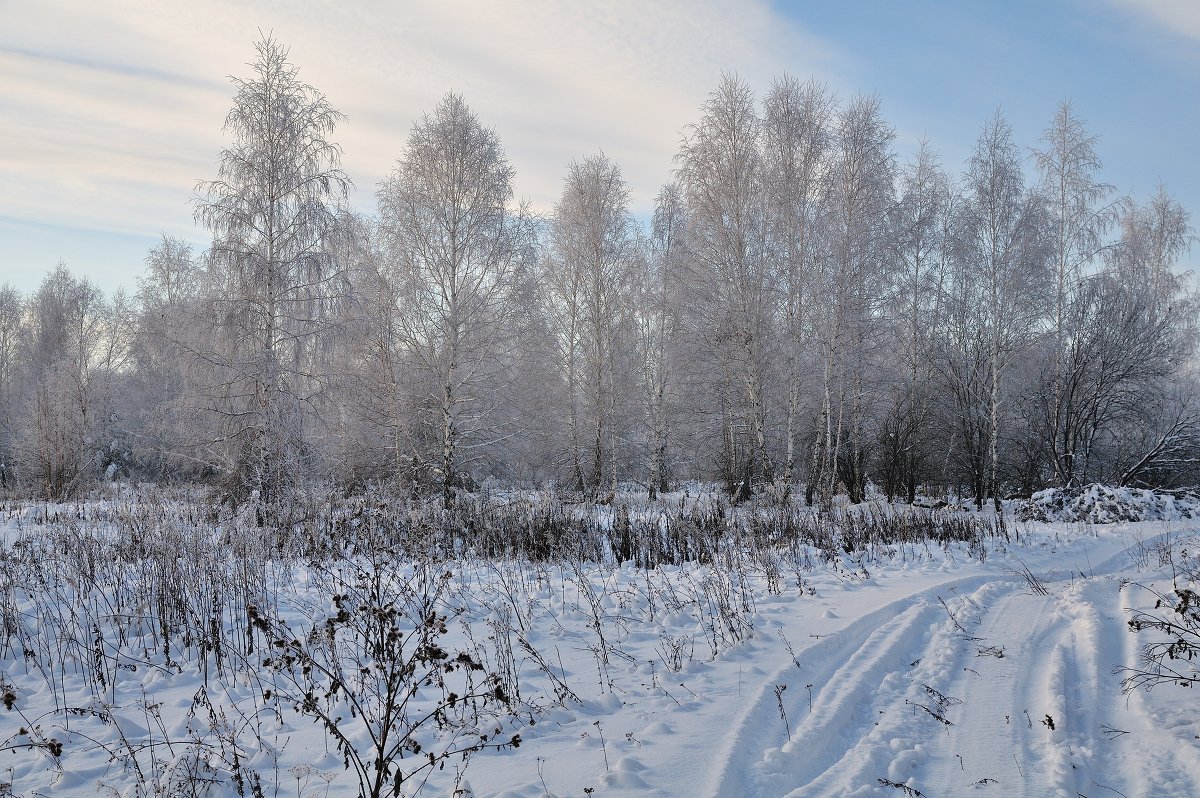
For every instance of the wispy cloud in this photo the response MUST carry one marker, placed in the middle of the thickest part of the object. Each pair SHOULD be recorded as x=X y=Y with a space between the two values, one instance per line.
x=111 y=112
x=1179 y=16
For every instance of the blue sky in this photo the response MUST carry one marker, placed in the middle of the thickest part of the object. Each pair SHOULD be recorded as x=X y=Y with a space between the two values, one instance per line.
x=1131 y=70
x=110 y=112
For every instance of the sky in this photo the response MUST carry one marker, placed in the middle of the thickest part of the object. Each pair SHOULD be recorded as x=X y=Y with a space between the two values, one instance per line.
x=110 y=112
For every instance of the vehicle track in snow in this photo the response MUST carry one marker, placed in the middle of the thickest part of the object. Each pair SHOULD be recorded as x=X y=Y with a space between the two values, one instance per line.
x=976 y=686
x=846 y=670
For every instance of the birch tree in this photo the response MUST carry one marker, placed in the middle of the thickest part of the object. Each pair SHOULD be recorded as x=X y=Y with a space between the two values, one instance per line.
x=163 y=347
x=454 y=247
x=74 y=346
x=1120 y=351
x=1077 y=209
x=963 y=363
x=371 y=415
x=722 y=171
x=1157 y=444
x=1153 y=236
x=658 y=324
x=798 y=135
x=857 y=220
x=12 y=312
x=591 y=238
x=1005 y=246
x=274 y=200
x=921 y=227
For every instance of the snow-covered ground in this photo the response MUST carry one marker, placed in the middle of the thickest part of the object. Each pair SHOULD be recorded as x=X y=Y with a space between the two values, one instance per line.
x=914 y=669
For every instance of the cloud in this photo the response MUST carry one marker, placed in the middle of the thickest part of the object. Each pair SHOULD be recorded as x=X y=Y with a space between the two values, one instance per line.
x=111 y=112
x=1179 y=16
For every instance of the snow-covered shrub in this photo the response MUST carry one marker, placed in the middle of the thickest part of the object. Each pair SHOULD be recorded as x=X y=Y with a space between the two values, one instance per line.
x=1169 y=631
x=376 y=673
x=1102 y=504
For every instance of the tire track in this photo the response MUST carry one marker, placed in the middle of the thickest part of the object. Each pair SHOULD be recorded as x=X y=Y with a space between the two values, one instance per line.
x=856 y=673
x=1013 y=694
x=913 y=734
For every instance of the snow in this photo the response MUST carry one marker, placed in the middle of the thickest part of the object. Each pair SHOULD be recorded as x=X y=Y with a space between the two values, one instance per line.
x=903 y=670
x=1101 y=504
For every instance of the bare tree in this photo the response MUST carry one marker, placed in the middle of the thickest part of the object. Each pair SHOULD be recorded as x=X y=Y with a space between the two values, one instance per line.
x=592 y=241
x=454 y=248
x=1004 y=246
x=1075 y=201
x=798 y=136
x=270 y=208
x=722 y=171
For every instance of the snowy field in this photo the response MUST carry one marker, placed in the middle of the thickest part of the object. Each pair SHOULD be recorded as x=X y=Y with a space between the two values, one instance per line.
x=144 y=657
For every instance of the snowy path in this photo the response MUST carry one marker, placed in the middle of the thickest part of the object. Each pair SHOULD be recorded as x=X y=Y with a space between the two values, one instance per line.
x=845 y=670
x=974 y=686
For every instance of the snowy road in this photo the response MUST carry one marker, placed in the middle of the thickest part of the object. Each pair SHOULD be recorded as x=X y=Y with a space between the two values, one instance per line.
x=975 y=686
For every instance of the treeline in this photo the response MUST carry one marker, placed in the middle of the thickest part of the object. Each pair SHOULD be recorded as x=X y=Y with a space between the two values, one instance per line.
x=805 y=311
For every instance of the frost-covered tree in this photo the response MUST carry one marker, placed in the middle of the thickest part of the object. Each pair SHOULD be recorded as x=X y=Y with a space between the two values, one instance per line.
x=270 y=209
x=455 y=247
x=658 y=286
x=163 y=347
x=733 y=296
x=587 y=276
x=1079 y=215
x=1005 y=258
x=849 y=295
x=1121 y=354
x=799 y=309
x=798 y=136
x=1154 y=441
x=12 y=312
x=1069 y=168
x=922 y=244
x=1154 y=236
x=74 y=347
